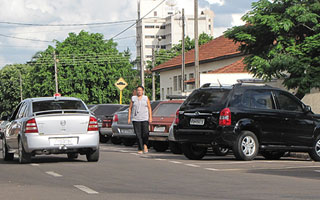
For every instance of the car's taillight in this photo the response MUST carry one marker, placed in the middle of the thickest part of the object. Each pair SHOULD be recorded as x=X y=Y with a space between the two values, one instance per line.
x=225 y=117
x=93 y=124
x=176 y=121
x=115 y=118
x=31 y=126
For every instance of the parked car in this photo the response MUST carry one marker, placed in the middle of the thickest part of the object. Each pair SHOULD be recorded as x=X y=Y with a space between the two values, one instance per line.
x=104 y=114
x=51 y=125
x=247 y=118
x=3 y=122
x=124 y=131
x=162 y=118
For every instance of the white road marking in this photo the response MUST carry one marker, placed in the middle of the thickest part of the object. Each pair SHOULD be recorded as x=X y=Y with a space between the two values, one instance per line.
x=136 y=154
x=160 y=159
x=33 y=164
x=176 y=162
x=212 y=169
x=54 y=174
x=317 y=171
x=86 y=189
x=214 y=162
x=192 y=165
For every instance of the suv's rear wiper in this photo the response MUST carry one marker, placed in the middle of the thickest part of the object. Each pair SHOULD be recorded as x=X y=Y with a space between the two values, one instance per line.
x=195 y=103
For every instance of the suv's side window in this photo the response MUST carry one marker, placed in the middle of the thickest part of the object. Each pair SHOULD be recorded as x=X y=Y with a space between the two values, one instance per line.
x=261 y=99
x=257 y=99
x=288 y=102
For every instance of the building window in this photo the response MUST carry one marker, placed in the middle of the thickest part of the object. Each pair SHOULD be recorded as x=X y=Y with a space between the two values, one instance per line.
x=162 y=93
x=163 y=46
x=180 y=82
x=175 y=83
x=168 y=91
x=170 y=13
x=209 y=27
x=157 y=26
x=191 y=76
x=163 y=27
x=171 y=90
x=148 y=56
x=149 y=26
x=155 y=13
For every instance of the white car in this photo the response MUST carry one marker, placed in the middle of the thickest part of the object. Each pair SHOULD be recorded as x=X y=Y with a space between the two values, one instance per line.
x=51 y=125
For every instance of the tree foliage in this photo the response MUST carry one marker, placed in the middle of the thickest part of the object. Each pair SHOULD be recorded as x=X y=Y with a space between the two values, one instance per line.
x=282 y=39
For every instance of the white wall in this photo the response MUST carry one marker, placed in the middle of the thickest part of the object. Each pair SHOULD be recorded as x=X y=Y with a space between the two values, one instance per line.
x=223 y=79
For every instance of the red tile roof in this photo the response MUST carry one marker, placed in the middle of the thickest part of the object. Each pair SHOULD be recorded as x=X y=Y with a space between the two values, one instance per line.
x=236 y=67
x=217 y=48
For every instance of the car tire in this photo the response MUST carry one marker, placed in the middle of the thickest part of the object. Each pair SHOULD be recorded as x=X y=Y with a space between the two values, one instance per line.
x=116 y=140
x=221 y=151
x=314 y=153
x=24 y=157
x=272 y=155
x=128 y=142
x=246 y=146
x=104 y=139
x=175 y=147
x=160 y=146
x=193 y=152
x=93 y=156
x=72 y=156
x=5 y=154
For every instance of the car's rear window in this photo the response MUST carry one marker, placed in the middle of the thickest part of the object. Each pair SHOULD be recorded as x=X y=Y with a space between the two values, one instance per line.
x=57 y=105
x=105 y=109
x=166 y=109
x=208 y=98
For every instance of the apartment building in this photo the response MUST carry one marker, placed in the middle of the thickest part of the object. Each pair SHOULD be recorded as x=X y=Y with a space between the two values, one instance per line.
x=162 y=28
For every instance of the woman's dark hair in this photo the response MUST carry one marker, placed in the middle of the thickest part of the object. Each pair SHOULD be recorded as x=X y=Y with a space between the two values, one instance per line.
x=140 y=86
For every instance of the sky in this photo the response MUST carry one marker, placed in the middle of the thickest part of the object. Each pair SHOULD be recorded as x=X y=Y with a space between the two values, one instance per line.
x=47 y=12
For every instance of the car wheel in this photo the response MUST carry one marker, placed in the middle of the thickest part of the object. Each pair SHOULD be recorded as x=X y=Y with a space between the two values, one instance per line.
x=160 y=146
x=221 y=151
x=104 y=139
x=116 y=140
x=175 y=147
x=272 y=155
x=93 y=156
x=72 y=156
x=24 y=157
x=246 y=146
x=194 y=152
x=128 y=142
x=315 y=151
x=5 y=154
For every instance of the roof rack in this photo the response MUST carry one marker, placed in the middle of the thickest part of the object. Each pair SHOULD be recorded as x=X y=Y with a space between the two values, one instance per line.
x=178 y=97
x=206 y=85
x=254 y=81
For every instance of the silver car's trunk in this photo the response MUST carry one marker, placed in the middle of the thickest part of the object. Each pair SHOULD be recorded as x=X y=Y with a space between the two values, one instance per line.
x=123 y=117
x=64 y=124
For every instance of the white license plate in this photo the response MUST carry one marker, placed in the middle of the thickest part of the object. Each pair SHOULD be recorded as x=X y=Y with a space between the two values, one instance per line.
x=197 y=122
x=159 y=128
x=63 y=141
x=127 y=131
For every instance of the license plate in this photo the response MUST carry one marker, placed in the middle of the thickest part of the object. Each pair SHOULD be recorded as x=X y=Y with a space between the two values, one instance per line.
x=127 y=131
x=159 y=129
x=63 y=141
x=197 y=122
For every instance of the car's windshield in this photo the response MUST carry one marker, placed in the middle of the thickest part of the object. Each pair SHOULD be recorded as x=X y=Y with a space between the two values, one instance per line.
x=166 y=109
x=39 y=106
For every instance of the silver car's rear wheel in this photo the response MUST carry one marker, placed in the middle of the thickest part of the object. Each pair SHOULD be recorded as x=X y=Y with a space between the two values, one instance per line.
x=24 y=157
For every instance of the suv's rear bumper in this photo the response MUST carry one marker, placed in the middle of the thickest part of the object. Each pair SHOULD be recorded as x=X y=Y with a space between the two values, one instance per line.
x=222 y=135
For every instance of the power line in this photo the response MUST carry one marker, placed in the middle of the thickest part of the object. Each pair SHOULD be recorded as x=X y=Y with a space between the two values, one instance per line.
x=138 y=20
x=82 y=24
x=20 y=38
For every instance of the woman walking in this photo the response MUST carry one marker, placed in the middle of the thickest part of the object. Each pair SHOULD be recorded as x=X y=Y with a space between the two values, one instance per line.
x=141 y=115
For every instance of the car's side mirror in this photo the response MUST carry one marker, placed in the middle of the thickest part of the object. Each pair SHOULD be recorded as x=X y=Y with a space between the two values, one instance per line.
x=307 y=109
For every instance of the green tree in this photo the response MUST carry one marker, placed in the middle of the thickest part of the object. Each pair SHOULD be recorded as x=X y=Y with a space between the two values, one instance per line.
x=88 y=67
x=282 y=40
x=10 y=87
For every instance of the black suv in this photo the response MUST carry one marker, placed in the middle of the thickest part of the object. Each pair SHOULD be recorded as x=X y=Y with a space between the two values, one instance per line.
x=247 y=118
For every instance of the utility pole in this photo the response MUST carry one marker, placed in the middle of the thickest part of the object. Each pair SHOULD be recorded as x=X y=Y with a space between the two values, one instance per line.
x=183 y=52
x=21 y=97
x=153 y=76
x=196 y=43
x=55 y=71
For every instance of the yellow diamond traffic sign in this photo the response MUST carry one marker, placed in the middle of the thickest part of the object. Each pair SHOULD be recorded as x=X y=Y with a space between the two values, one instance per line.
x=121 y=84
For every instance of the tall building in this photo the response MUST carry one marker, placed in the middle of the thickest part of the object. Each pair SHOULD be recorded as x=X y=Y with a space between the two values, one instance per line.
x=162 y=28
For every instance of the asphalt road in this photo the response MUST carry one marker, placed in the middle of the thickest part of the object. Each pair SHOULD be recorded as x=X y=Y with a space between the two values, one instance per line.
x=123 y=174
